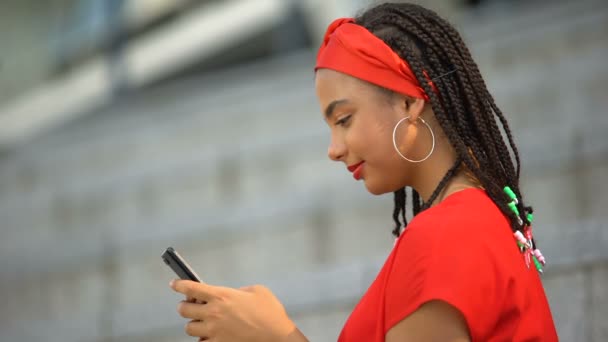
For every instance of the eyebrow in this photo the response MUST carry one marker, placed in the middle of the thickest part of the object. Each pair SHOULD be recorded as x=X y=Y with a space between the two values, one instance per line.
x=329 y=111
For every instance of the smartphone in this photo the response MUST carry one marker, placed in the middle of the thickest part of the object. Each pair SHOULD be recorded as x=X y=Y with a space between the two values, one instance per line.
x=179 y=265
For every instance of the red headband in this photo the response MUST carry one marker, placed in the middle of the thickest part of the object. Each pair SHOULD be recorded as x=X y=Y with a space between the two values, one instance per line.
x=352 y=49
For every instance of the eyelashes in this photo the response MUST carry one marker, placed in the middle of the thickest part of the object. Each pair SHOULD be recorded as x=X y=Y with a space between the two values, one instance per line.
x=343 y=121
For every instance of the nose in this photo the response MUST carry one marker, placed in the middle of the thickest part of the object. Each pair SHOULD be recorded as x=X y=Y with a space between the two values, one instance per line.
x=336 y=151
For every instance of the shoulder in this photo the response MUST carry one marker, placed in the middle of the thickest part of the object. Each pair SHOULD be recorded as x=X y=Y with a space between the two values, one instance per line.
x=465 y=242
x=459 y=252
x=469 y=216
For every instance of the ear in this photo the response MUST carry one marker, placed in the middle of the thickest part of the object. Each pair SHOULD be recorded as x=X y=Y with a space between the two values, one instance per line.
x=410 y=107
x=414 y=107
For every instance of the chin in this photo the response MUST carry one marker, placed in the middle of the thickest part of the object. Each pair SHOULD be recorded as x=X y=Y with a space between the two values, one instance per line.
x=378 y=189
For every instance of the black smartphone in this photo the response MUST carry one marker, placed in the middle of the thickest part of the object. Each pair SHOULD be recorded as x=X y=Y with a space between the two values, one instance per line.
x=179 y=265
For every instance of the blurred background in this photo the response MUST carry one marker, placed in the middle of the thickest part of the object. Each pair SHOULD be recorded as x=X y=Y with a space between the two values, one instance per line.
x=127 y=126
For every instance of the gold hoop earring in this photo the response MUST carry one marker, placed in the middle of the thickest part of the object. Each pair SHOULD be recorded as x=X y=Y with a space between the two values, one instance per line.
x=401 y=154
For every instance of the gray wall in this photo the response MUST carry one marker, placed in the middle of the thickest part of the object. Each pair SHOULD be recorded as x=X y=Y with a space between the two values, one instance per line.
x=29 y=35
x=231 y=169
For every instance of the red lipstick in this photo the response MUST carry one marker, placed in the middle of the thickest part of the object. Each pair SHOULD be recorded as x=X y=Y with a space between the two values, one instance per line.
x=356 y=170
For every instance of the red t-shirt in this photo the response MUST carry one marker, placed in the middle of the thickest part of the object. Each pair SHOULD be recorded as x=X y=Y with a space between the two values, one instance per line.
x=461 y=251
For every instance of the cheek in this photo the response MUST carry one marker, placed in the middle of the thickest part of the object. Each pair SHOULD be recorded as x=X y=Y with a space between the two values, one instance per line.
x=357 y=140
x=373 y=139
x=387 y=171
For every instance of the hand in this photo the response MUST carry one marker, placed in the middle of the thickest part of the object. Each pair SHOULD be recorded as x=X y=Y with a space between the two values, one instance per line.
x=247 y=314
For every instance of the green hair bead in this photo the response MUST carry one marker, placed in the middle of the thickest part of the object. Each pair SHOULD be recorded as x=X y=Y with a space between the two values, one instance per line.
x=510 y=193
x=521 y=246
x=513 y=207
x=539 y=267
x=530 y=217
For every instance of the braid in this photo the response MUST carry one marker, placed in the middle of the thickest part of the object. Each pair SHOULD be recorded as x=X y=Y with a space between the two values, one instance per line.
x=416 y=205
x=442 y=185
x=400 y=201
x=463 y=105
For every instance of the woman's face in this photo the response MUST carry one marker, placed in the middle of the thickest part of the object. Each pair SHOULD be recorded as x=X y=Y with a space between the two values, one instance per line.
x=361 y=119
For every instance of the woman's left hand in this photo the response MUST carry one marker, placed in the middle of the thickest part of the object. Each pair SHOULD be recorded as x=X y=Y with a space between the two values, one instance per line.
x=247 y=314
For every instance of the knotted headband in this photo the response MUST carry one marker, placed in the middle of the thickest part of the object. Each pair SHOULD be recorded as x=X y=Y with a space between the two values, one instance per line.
x=352 y=49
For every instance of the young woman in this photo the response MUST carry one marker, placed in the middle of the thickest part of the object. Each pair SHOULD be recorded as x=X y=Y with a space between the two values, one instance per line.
x=407 y=107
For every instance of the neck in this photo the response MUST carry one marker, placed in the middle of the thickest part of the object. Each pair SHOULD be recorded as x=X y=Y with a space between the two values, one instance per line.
x=430 y=173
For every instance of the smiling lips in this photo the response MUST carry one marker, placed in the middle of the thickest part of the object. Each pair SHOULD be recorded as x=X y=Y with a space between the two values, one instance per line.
x=356 y=169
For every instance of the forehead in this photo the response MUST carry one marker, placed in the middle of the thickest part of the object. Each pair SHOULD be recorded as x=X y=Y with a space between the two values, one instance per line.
x=333 y=85
x=329 y=82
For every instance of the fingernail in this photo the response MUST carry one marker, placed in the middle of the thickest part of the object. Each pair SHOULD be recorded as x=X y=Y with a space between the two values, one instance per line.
x=172 y=283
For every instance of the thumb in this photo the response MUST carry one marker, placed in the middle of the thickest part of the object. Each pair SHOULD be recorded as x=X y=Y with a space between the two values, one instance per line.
x=191 y=289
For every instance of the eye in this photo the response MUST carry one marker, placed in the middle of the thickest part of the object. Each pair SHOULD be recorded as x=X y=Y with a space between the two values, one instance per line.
x=343 y=120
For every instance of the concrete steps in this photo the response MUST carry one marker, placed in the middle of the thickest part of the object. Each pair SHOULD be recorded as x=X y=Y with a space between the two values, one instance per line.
x=238 y=181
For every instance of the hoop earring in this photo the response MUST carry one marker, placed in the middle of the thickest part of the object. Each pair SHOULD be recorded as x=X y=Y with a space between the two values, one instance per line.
x=399 y=152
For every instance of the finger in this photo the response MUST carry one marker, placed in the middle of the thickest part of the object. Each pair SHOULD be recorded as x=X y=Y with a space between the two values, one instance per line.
x=192 y=310
x=193 y=289
x=194 y=300
x=197 y=328
x=253 y=288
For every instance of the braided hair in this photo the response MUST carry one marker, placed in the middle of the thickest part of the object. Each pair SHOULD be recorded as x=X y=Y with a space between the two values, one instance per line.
x=463 y=106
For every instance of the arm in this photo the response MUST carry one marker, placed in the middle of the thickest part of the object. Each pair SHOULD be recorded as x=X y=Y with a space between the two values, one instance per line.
x=433 y=321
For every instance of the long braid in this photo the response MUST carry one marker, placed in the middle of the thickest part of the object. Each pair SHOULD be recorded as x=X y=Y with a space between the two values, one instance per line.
x=400 y=202
x=480 y=87
x=463 y=105
x=416 y=205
